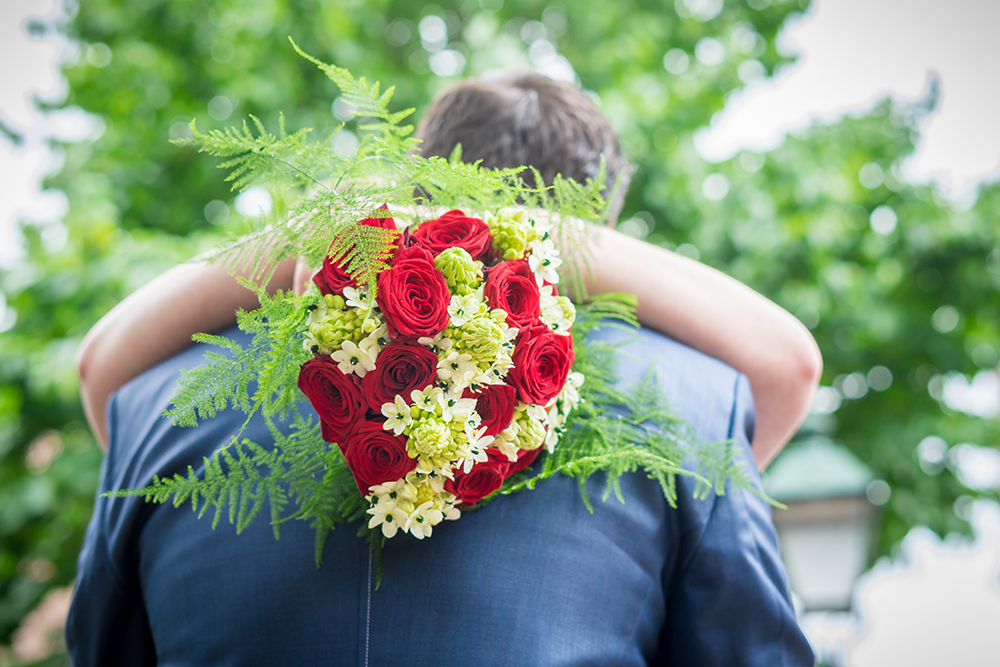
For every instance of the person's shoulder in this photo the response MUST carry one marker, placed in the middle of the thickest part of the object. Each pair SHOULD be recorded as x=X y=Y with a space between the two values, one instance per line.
x=701 y=389
x=141 y=438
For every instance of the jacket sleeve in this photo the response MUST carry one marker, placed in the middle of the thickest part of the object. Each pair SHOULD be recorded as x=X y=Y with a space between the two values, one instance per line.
x=107 y=623
x=728 y=602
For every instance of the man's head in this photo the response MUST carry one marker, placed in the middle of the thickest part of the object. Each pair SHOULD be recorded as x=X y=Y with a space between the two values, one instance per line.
x=522 y=118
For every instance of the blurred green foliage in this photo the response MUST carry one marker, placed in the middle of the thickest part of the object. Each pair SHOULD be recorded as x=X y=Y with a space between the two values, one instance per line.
x=796 y=223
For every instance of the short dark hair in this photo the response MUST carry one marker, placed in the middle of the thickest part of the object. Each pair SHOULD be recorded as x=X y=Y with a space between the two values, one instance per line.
x=523 y=118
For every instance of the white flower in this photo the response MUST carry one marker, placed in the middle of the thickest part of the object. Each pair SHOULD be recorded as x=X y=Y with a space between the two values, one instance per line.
x=437 y=344
x=509 y=333
x=551 y=439
x=571 y=392
x=400 y=489
x=477 y=439
x=500 y=367
x=476 y=449
x=536 y=412
x=397 y=415
x=389 y=516
x=555 y=318
x=352 y=359
x=455 y=407
x=557 y=322
x=433 y=481
x=428 y=398
x=375 y=341
x=473 y=421
x=318 y=313
x=381 y=335
x=457 y=369
x=463 y=308
x=544 y=260
x=421 y=521
x=452 y=513
x=541 y=225
x=546 y=297
x=312 y=344
x=507 y=447
x=556 y=421
x=489 y=377
x=357 y=298
x=371 y=348
x=507 y=442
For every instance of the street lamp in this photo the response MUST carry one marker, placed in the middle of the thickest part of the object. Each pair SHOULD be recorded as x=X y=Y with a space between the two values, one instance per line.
x=826 y=532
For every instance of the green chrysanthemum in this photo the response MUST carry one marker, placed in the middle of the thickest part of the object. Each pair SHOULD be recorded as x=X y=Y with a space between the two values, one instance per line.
x=531 y=431
x=430 y=438
x=481 y=338
x=462 y=273
x=568 y=309
x=512 y=232
x=330 y=325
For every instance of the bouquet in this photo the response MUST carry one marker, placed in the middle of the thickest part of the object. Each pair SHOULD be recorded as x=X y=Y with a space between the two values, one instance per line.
x=454 y=375
x=436 y=351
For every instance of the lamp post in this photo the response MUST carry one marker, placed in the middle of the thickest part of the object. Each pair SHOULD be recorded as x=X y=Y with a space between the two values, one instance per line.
x=826 y=532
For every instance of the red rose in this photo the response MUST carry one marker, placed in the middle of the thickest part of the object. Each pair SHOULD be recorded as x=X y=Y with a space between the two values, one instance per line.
x=495 y=404
x=454 y=228
x=336 y=397
x=376 y=456
x=333 y=277
x=484 y=478
x=400 y=368
x=542 y=360
x=413 y=252
x=331 y=434
x=414 y=298
x=525 y=458
x=512 y=287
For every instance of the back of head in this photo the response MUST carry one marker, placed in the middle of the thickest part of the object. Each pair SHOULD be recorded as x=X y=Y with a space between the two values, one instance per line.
x=521 y=118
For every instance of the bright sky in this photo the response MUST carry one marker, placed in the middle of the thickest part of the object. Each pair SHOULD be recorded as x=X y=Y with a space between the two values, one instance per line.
x=27 y=69
x=855 y=52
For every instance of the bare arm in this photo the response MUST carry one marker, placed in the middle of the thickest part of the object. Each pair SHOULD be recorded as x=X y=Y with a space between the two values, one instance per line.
x=711 y=312
x=156 y=322
x=688 y=301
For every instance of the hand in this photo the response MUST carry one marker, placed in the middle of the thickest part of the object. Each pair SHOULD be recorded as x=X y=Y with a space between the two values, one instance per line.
x=301 y=277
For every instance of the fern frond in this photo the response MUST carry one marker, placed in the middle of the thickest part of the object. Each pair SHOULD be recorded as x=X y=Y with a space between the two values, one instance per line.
x=363 y=96
x=211 y=388
x=261 y=157
x=271 y=361
x=364 y=252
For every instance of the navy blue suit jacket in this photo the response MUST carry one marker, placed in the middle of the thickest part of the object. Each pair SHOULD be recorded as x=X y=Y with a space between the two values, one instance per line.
x=532 y=579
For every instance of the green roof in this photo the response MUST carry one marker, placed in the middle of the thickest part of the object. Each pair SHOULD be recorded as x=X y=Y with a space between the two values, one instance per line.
x=816 y=468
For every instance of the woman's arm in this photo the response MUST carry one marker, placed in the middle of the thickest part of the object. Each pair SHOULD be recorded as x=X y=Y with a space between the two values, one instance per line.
x=690 y=302
x=711 y=312
x=156 y=322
